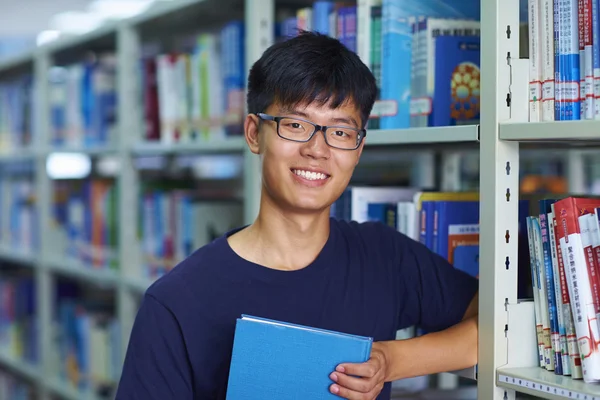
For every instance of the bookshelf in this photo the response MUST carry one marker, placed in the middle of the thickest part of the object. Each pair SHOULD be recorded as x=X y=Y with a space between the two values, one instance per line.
x=468 y=134
x=507 y=359
x=569 y=133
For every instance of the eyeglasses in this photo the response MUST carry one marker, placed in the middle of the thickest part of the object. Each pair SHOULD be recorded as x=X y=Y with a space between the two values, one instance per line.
x=300 y=130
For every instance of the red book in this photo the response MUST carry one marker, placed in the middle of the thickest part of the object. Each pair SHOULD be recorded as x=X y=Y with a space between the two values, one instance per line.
x=568 y=213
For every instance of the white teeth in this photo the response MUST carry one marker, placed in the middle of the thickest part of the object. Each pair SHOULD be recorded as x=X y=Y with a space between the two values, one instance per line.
x=313 y=176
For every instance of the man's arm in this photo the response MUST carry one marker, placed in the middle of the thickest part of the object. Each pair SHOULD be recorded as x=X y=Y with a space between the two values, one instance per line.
x=451 y=349
x=156 y=364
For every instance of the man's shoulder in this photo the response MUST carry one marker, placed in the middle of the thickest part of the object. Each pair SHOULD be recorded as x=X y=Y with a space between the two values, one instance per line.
x=187 y=279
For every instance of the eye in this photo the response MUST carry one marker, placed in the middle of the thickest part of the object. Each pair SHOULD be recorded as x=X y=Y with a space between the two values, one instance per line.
x=293 y=125
x=340 y=133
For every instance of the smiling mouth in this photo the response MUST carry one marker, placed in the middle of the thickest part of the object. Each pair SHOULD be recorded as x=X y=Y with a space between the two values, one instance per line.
x=309 y=175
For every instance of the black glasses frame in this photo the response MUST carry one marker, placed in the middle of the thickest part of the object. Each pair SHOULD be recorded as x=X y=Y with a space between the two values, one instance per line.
x=323 y=128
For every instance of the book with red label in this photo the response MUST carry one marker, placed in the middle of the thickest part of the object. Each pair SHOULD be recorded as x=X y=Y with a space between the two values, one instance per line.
x=569 y=213
x=568 y=335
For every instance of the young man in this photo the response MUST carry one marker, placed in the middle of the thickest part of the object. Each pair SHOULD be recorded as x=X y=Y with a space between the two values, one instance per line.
x=309 y=99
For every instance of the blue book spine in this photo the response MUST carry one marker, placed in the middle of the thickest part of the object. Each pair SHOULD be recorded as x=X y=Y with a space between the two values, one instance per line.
x=427 y=223
x=462 y=214
x=350 y=28
x=396 y=65
x=289 y=28
x=596 y=55
x=321 y=10
x=386 y=213
x=571 y=75
x=545 y=207
x=558 y=109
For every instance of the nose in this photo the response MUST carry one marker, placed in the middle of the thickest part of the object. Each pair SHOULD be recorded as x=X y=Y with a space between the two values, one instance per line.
x=316 y=147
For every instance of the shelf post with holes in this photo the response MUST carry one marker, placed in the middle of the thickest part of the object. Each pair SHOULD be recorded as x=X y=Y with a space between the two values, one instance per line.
x=499 y=172
x=129 y=117
x=44 y=279
x=259 y=20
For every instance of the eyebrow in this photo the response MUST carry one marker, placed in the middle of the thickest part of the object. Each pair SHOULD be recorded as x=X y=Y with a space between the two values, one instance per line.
x=337 y=120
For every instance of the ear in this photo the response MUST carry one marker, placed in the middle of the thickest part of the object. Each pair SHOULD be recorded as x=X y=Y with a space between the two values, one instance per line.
x=251 y=125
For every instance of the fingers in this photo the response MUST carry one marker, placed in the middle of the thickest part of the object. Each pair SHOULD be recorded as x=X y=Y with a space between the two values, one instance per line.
x=357 y=381
x=349 y=394
x=352 y=383
x=365 y=370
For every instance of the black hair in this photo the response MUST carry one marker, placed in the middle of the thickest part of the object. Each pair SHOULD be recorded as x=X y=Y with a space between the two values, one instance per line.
x=307 y=68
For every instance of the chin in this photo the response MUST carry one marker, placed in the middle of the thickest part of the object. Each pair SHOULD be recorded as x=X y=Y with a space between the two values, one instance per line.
x=308 y=207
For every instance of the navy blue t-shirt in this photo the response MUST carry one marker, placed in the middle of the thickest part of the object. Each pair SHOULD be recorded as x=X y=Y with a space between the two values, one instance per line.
x=368 y=280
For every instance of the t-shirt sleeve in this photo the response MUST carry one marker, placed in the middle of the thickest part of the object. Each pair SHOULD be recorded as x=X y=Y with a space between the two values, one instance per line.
x=156 y=364
x=437 y=295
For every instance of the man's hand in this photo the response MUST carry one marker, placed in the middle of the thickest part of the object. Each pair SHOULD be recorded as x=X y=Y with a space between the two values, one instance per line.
x=362 y=381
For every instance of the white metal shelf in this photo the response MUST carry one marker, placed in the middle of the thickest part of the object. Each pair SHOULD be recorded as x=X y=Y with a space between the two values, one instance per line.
x=21 y=367
x=442 y=134
x=17 y=256
x=161 y=9
x=138 y=285
x=545 y=384
x=78 y=41
x=17 y=61
x=17 y=155
x=228 y=145
x=67 y=391
x=88 y=150
x=567 y=132
x=84 y=273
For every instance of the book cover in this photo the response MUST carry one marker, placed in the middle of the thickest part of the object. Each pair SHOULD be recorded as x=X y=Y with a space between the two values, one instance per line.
x=568 y=213
x=456 y=99
x=456 y=223
x=546 y=261
x=300 y=357
x=543 y=294
x=536 y=293
x=562 y=334
x=570 y=334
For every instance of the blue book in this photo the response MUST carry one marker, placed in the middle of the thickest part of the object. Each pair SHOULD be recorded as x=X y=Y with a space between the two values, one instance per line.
x=397 y=21
x=456 y=99
x=321 y=11
x=278 y=360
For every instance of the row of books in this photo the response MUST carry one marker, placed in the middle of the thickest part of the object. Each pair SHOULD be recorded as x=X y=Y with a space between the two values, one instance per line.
x=18 y=214
x=564 y=248
x=196 y=95
x=564 y=60
x=83 y=102
x=335 y=19
x=14 y=388
x=87 y=343
x=176 y=222
x=85 y=222
x=18 y=323
x=16 y=113
x=446 y=222
x=425 y=55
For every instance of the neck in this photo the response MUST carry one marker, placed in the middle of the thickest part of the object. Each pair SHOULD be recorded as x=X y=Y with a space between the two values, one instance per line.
x=283 y=239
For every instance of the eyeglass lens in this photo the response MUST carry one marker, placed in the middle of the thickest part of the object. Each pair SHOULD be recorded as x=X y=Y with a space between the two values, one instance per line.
x=342 y=137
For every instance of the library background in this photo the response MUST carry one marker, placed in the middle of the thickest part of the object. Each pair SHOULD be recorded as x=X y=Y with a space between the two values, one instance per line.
x=121 y=151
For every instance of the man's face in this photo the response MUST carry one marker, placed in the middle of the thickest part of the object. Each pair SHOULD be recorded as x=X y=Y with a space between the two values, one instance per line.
x=307 y=177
